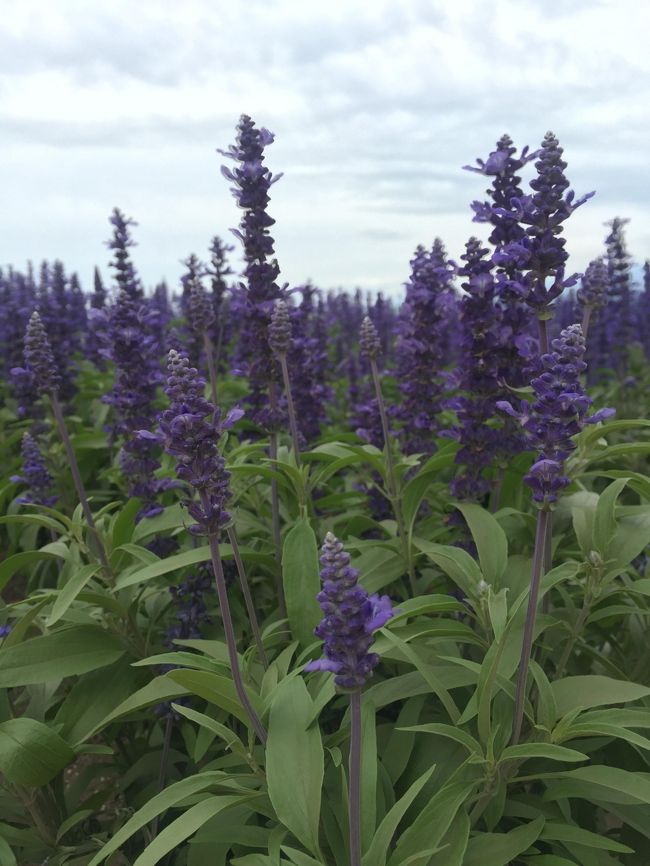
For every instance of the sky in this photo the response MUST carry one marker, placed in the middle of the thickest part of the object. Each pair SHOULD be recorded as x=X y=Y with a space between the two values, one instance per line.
x=375 y=106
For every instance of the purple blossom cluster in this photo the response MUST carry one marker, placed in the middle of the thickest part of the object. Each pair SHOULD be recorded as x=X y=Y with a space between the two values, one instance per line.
x=558 y=413
x=35 y=475
x=252 y=181
x=423 y=329
x=190 y=430
x=350 y=618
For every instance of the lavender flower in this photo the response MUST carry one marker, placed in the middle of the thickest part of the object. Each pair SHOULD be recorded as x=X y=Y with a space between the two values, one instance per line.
x=593 y=286
x=252 y=181
x=191 y=430
x=558 y=413
x=125 y=274
x=620 y=327
x=540 y=253
x=350 y=619
x=369 y=343
x=35 y=475
x=280 y=329
x=423 y=321
x=39 y=357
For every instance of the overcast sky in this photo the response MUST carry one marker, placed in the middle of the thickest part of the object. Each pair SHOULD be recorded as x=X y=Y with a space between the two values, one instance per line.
x=375 y=104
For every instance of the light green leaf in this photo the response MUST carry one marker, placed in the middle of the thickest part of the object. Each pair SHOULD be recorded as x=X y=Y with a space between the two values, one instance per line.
x=70 y=591
x=295 y=762
x=31 y=754
x=604 y=520
x=594 y=691
x=378 y=851
x=216 y=689
x=184 y=826
x=156 y=692
x=500 y=849
x=168 y=798
x=301 y=580
x=19 y=561
x=65 y=653
x=490 y=540
x=549 y=751
x=570 y=833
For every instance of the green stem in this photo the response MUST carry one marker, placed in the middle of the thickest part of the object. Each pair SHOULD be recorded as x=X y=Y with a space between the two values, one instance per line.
x=575 y=634
x=391 y=478
x=229 y=631
x=79 y=485
x=354 y=798
x=248 y=599
x=529 y=627
x=291 y=411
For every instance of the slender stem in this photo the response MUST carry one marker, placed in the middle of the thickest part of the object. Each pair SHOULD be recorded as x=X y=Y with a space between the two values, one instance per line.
x=542 y=330
x=529 y=627
x=391 y=477
x=586 y=319
x=229 y=630
x=290 y=407
x=162 y=770
x=354 y=797
x=208 y=348
x=78 y=483
x=575 y=634
x=275 y=507
x=248 y=599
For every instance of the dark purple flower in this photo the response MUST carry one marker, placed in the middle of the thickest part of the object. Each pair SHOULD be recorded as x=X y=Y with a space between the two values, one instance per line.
x=422 y=349
x=190 y=431
x=39 y=358
x=558 y=413
x=593 y=286
x=125 y=274
x=251 y=184
x=350 y=618
x=35 y=475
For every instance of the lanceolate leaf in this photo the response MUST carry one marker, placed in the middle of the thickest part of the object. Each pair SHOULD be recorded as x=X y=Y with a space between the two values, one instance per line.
x=301 y=580
x=31 y=753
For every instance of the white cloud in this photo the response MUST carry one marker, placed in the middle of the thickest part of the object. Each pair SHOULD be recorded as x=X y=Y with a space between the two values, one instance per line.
x=375 y=108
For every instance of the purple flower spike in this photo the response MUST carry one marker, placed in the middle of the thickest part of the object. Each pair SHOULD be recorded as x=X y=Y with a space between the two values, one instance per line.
x=350 y=618
x=35 y=475
x=369 y=343
x=280 y=329
x=39 y=357
x=191 y=430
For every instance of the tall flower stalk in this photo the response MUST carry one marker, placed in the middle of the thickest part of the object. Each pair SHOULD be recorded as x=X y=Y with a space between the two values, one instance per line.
x=191 y=428
x=370 y=347
x=350 y=618
x=39 y=360
x=558 y=413
x=280 y=342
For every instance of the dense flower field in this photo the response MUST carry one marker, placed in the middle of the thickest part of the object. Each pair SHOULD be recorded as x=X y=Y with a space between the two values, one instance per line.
x=293 y=578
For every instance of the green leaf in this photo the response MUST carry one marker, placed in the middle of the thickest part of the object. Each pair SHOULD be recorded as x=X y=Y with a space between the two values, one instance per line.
x=452 y=732
x=500 y=849
x=610 y=784
x=604 y=520
x=7 y=856
x=68 y=652
x=549 y=751
x=632 y=535
x=31 y=754
x=155 y=806
x=498 y=609
x=490 y=540
x=70 y=591
x=594 y=691
x=184 y=826
x=231 y=740
x=156 y=692
x=19 y=561
x=34 y=520
x=434 y=820
x=424 y=604
x=455 y=562
x=301 y=580
x=378 y=851
x=295 y=762
x=216 y=689
x=570 y=833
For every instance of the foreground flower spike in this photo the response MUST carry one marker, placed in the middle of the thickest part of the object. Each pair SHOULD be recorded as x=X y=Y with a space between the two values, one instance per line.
x=558 y=413
x=350 y=619
x=191 y=429
x=39 y=360
x=369 y=342
x=125 y=273
x=35 y=475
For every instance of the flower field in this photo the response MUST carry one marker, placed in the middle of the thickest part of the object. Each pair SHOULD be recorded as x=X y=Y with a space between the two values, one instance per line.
x=292 y=577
